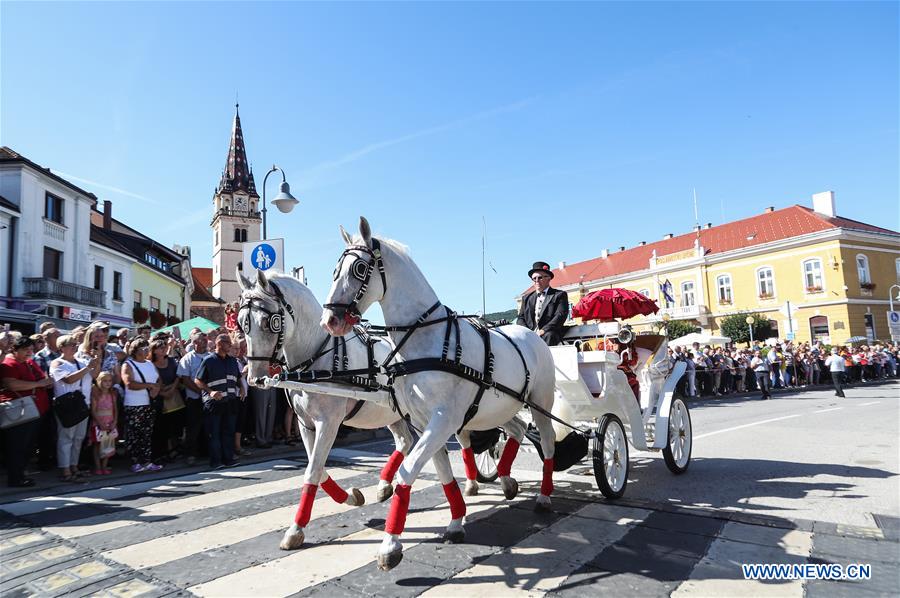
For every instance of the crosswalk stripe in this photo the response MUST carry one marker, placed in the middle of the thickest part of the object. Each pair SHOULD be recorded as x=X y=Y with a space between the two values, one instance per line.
x=719 y=572
x=319 y=563
x=544 y=559
x=181 y=506
x=39 y=504
x=170 y=548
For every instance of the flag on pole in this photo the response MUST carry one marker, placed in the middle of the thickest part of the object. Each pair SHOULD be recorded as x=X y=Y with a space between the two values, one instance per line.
x=667 y=293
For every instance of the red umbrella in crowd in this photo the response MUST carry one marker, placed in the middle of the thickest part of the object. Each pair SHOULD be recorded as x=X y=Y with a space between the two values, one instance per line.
x=607 y=304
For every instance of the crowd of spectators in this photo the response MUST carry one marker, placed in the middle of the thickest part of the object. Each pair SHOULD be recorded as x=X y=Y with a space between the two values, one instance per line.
x=717 y=371
x=148 y=400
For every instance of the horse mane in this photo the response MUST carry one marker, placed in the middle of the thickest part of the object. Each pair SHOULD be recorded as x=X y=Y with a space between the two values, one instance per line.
x=287 y=284
x=400 y=248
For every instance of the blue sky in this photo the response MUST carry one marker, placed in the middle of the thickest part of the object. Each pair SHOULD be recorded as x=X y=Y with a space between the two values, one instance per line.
x=568 y=127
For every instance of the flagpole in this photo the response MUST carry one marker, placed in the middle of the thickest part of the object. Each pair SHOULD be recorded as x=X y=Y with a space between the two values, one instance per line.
x=483 y=234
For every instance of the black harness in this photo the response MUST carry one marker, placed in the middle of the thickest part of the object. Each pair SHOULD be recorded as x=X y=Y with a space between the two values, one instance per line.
x=361 y=269
x=363 y=378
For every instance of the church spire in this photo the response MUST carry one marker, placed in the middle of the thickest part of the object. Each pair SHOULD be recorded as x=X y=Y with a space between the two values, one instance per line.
x=237 y=175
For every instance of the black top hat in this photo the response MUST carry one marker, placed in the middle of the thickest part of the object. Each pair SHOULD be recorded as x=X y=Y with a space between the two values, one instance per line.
x=542 y=267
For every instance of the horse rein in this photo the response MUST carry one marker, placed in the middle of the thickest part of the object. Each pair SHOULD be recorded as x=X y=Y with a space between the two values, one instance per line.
x=361 y=270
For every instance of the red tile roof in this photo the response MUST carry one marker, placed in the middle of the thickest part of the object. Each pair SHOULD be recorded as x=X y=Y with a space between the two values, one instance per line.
x=202 y=285
x=764 y=228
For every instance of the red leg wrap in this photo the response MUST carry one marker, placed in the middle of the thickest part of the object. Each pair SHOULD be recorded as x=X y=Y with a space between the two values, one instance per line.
x=454 y=497
x=390 y=468
x=547 y=481
x=307 y=497
x=396 y=520
x=334 y=491
x=509 y=454
x=468 y=456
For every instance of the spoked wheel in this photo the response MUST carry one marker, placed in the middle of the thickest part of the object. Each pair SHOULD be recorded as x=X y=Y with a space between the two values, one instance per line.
x=610 y=452
x=486 y=461
x=677 y=453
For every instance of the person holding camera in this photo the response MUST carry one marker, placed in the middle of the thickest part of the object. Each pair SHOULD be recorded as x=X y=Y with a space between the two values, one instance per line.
x=72 y=379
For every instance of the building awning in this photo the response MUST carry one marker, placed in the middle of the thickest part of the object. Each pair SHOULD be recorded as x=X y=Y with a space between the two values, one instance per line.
x=17 y=315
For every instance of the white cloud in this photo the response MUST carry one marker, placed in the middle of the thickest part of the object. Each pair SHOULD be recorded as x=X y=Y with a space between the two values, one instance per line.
x=105 y=187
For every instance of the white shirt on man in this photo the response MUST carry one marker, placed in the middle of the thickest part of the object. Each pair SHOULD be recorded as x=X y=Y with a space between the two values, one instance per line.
x=189 y=365
x=835 y=363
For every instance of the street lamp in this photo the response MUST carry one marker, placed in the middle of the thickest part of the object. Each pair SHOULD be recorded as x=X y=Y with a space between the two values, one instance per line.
x=891 y=299
x=284 y=201
x=750 y=320
x=665 y=319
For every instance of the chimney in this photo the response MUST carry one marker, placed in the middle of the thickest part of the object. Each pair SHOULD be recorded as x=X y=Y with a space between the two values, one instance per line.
x=823 y=203
x=642 y=243
x=562 y=265
x=696 y=228
x=668 y=236
x=622 y=248
x=604 y=254
x=708 y=225
x=107 y=214
x=769 y=209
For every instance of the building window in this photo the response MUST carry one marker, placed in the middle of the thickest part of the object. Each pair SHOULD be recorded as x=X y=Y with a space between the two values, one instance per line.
x=240 y=235
x=98 y=278
x=216 y=241
x=154 y=303
x=645 y=293
x=812 y=275
x=52 y=263
x=53 y=208
x=723 y=284
x=171 y=310
x=157 y=262
x=862 y=268
x=687 y=293
x=138 y=298
x=765 y=283
x=818 y=328
x=117 y=286
x=897 y=268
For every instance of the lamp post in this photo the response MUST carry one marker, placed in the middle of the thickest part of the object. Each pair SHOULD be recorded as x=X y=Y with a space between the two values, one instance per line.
x=665 y=319
x=750 y=320
x=284 y=201
x=890 y=298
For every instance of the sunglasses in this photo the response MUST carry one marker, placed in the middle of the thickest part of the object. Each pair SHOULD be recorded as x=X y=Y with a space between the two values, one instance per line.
x=537 y=278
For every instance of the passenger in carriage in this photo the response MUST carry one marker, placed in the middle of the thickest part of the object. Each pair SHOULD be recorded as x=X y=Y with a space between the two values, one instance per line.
x=629 y=360
x=545 y=309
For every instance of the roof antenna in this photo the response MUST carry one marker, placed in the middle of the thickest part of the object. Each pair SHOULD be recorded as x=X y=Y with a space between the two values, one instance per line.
x=236 y=103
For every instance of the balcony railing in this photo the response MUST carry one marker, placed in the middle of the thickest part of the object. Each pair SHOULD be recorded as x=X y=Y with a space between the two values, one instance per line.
x=50 y=288
x=54 y=230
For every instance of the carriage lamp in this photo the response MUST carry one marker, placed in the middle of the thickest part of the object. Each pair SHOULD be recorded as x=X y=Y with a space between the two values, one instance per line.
x=750 y=320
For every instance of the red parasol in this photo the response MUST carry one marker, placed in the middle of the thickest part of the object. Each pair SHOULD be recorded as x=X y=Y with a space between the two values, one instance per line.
x=607 y=304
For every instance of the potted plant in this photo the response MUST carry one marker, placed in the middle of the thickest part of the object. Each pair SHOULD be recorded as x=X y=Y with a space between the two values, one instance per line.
x=766 y=295
x=172 y=320
x=868 y=286
x=814 y=289
x=157 y=319
x=140 y=314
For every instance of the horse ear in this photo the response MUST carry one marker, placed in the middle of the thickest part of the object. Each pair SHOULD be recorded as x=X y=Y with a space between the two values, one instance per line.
x=347 y=239
x=365 y=230
x=243 y=281
x=261 y=280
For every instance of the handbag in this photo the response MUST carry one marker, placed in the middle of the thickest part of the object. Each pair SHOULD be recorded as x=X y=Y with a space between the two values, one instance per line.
x=172 y=402
x=17 y=412
x=107 y=441
x=71 y=408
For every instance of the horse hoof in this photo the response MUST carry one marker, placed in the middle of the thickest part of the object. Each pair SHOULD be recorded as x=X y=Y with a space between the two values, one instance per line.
x=542 y=505
x=356 y=498
x=386 y=562
x=292 y=540
x=510 y=487
x=471 y=488
x=384 y=492
x=454 y=537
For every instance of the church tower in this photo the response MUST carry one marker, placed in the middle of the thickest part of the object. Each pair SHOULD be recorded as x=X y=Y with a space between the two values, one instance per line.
x=236 y=216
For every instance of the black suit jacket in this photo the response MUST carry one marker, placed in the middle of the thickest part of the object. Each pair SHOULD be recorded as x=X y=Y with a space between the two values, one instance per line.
x=553 y=316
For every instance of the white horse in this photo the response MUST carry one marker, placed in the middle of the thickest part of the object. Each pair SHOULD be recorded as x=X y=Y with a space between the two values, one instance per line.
x=320 y=416
x=264 y=304
x=373 y=270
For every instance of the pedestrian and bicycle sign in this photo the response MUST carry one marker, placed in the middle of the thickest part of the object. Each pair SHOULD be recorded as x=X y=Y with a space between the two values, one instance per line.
x=894 y=324
x=264 y=256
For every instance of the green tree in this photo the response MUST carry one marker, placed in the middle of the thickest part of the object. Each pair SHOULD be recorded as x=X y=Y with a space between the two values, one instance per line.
x=679 y=328
x=735 y=326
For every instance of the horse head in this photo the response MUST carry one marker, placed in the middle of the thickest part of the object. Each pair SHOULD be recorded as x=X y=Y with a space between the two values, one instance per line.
x=359 y=281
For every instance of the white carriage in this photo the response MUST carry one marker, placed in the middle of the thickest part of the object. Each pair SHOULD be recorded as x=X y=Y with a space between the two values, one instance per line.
x=593 y=394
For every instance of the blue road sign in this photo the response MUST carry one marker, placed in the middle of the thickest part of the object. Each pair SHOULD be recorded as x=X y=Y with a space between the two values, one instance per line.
x=263 y=256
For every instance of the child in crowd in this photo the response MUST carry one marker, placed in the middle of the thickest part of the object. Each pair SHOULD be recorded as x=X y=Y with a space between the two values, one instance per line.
x=103 y=420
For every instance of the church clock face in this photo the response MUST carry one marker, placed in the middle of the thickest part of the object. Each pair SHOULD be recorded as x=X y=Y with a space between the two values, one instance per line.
x=240 y=203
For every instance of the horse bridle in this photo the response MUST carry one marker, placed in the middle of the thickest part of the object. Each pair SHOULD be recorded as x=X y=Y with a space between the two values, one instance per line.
x=274 y=322
x=361 y=270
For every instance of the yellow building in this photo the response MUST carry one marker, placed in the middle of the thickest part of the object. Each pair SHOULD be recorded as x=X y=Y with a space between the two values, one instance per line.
x=815 y=275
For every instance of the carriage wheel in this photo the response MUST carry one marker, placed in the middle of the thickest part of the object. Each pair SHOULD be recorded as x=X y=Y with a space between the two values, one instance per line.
x=486 y=462
x=610 y=452
x=677 y=453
